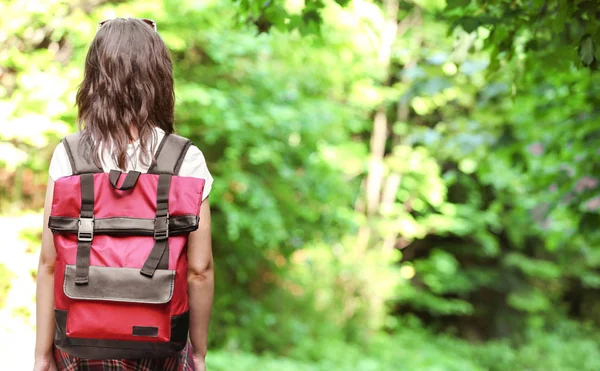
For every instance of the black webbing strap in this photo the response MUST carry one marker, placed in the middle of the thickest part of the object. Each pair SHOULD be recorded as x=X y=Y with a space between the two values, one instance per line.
x=85 y=230
x=170 y=154
x=81 y=162
x=159 y=255
x=169 y=157
x=129 y=182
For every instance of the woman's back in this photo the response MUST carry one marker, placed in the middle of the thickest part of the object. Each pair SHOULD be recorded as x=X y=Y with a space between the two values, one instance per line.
x=125 y=109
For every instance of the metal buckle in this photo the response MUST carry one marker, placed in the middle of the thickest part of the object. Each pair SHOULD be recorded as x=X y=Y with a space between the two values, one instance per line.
x=161 y=227
x=85 y=231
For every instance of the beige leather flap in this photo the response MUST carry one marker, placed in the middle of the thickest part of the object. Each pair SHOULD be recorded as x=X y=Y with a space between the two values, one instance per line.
x=121 y=284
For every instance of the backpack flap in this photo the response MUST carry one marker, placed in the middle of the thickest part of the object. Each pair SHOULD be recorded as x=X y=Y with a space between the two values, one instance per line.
x=119 y=303
x=125 y=285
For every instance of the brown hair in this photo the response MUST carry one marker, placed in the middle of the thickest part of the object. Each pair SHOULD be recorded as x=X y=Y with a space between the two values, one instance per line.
x=127 y=84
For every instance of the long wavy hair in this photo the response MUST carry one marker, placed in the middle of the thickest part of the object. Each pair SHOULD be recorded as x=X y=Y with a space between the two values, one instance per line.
x=127 y=85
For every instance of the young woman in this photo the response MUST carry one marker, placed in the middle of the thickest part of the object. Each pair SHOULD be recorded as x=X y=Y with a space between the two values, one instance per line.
x=125 y=105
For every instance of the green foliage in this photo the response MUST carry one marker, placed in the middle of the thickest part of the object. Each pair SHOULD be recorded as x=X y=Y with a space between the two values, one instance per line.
x=511 y=237
x=305 y=17
x=568 y=347
x=414 y=350
x=558 y=32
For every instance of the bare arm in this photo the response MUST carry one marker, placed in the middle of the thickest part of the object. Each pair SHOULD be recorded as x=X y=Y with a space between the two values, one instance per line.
x=200 y=281
x=45 y=287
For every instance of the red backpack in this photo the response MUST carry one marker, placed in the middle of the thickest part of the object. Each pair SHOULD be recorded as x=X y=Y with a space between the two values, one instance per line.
x=120 y=281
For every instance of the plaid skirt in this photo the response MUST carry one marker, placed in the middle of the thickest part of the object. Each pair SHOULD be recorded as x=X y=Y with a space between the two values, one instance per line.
x=181 y=362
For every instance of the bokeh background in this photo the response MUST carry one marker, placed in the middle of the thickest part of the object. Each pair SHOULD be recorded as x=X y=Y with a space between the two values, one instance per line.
x=400 y=185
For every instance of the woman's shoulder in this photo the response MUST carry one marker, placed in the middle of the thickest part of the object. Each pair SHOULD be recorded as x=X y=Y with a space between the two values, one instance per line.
x=194 y=163
x=193 y=158
x=59 y=164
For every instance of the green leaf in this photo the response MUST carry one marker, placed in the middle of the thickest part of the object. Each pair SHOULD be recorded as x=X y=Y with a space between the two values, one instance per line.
x=586 y=50
x=560 y=19
x=469 y=24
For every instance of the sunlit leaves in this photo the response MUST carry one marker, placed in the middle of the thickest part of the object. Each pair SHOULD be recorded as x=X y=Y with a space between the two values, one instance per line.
x=541 y=27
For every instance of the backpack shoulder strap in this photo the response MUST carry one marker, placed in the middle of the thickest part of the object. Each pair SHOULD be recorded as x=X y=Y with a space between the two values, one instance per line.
x=81 y=162
x=169 y=157
x=170 y=154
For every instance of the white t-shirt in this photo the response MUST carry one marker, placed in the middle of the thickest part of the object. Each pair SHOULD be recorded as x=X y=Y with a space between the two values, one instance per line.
x=194 y=164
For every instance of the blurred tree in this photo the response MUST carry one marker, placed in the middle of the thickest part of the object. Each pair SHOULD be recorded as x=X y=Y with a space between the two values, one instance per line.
x=460 y=104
